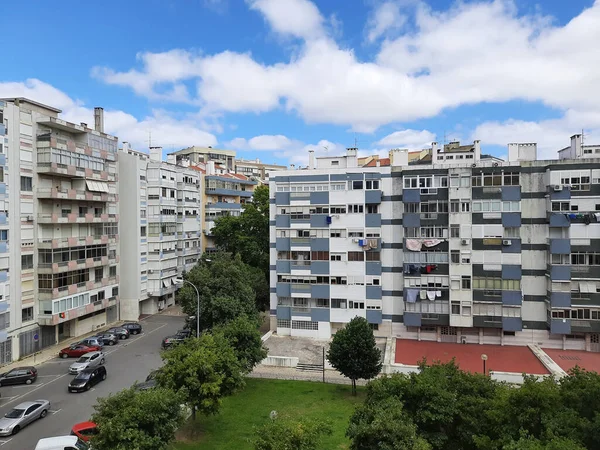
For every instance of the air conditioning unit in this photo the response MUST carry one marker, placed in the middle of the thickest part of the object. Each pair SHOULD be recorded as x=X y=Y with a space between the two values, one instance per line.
x=495 y=164
x=464 y=242
x=506 y=242
x=557 y=188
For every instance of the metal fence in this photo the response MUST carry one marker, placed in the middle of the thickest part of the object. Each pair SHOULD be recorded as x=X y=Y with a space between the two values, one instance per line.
x=6 y=351
x=27 y=342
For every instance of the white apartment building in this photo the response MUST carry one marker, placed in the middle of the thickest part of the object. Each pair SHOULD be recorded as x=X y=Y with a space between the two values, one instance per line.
x=476 y=250
x=160 y=203
x=60 y=204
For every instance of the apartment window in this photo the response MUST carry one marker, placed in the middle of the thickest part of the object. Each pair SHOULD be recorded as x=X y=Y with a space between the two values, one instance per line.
x=98 y=274
x=356 y=209
x=142 y=213
x=112 y=271
x=455 y=256
x=465 y=258
x=1 y=174
x=454 y=231
x=466 y=310
x=83 y=211
x=372 y=209
x=356 y=233
x=26 y=184
x=3 y=235
x=335 y=163
x=322 y=303
x=357 y=184
x=337 y=257
x=512 y=232
x=143 y=231
x=372 y=184
x=115 y=291
x=338 y=303
x=465 y=206
x=356 y=305
x=454 y=180
x=101 y=295
x=454 y=206
x=511 y=179
x=337 y=233
x=561 y=206
x=26 y=262
x=356 y=256
x=338 y=210
x=319 y=256
x=465 y=282
x=27 y=314
x=373 y=256
x=455 y=307
x=305 y=325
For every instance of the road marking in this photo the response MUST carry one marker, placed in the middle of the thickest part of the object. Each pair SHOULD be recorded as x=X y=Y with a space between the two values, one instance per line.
x=8 y=398
x=46 y=376
x=54 y=412
x=36 y=388
x=2 y=442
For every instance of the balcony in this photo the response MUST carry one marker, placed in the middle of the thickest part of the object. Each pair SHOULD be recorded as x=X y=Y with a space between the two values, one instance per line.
x=53 y=218
x=67 y=266
x=75 y=194
x=77 y=241
x=71 y=171
x=55 y=319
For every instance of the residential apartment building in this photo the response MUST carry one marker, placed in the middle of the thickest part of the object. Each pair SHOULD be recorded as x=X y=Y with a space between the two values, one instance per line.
x=476 y=250
x=5 y=342
x=224 y=194
x=196 y=155
x=60 y=193
x=256 y=169
x=160 y=203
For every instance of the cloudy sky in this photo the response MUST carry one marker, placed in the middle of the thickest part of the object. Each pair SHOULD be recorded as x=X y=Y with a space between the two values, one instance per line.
x=274 y=78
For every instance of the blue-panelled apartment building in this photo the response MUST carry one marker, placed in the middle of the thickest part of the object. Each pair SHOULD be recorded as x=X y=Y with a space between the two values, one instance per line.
x=445 y=244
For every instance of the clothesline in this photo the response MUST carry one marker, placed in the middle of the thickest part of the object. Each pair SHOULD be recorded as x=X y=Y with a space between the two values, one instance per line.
x=422 y=294
x=415 y=245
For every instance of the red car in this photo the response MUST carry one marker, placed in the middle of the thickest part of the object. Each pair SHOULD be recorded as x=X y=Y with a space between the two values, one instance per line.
x=76 y=350
x=84 y=430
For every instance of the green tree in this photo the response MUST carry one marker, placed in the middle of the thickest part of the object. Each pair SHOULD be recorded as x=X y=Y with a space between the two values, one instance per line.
x=202 y=371
x=354 y=353
x=384 y=426
x=137 y=420
x=247 y=235
x=225 y=292
x=244 y=337
x=288 y=434
x=528 y=443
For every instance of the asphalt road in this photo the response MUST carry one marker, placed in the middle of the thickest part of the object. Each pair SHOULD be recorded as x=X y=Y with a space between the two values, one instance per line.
x=127 y=362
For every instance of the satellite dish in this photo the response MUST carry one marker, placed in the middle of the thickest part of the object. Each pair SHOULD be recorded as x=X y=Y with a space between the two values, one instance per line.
x=273 y=415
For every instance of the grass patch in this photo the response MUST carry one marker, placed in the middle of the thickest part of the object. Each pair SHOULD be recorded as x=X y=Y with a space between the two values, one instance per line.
x=232 y=428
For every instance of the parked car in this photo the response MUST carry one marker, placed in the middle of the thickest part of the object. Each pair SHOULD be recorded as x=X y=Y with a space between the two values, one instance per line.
x=92 y=340
x=77 y=350
x=150 y=382
x=61 y=443
x=186 y=333
x=19 y=375
x=170 y=341
x=132 y=327
x=22 y=415
x=87 y=378
x=86 y=361
x=108 y=338
x=84 y=430
x=120 y=332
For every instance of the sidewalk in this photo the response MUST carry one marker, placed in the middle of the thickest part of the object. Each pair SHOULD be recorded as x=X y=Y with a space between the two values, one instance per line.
x=284 y=373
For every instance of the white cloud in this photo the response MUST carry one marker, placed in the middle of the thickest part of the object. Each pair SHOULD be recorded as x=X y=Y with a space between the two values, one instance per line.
x=386 y=17
x=166 y=130
x=472 y=53
x=263 y=142
x=298 y=18
x=550 y=135
x=408 y=139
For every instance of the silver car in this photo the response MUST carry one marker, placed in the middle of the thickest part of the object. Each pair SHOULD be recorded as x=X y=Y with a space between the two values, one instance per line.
x=87 y=361
x=22 y=415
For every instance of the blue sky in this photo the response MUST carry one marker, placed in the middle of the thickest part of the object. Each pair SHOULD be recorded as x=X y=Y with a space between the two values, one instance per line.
x=274 y=78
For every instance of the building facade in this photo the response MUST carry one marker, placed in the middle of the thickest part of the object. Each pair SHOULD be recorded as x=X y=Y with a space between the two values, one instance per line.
x=256 y=169
x=203 y=155
x=61 y=189
x=477 y=251
x=160 y=204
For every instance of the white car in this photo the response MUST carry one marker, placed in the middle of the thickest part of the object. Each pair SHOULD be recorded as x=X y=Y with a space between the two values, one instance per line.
x=61 y=443
x=87 y=361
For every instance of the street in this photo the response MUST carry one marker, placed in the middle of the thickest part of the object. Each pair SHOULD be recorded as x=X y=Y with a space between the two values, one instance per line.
x=127 y=362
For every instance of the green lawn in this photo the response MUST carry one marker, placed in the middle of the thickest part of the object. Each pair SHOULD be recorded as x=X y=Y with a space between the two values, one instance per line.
x=232 y=428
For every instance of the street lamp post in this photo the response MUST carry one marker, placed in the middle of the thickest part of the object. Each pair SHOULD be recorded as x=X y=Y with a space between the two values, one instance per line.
x=484 y=358
x=181 y=280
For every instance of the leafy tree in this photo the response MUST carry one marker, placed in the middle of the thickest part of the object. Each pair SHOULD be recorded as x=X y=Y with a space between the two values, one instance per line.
x=354 y=353
x=202 y=371
x=244 y=337
x=384 y=426
x=143 y=420
x=528 y=443
x=225 y=292
x=288 y=434
x=247 y=235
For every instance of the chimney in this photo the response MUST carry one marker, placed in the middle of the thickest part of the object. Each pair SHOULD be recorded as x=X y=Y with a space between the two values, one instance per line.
x=83 y=124
x=399 y=157
x=125 y=146
x=171 y=159
x=351 y=157
x=311 y=159
x=99 y=119
x=576 y=146
x=210 y=168
x=477 y=145
x=156 y=153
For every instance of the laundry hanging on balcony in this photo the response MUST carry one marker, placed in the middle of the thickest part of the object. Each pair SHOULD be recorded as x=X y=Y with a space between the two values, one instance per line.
x=432 y=242
x=431 y=295
x=414 y=245
x=411 y=295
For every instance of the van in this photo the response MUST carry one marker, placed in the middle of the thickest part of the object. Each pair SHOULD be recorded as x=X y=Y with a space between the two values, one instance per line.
x=61 y=443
